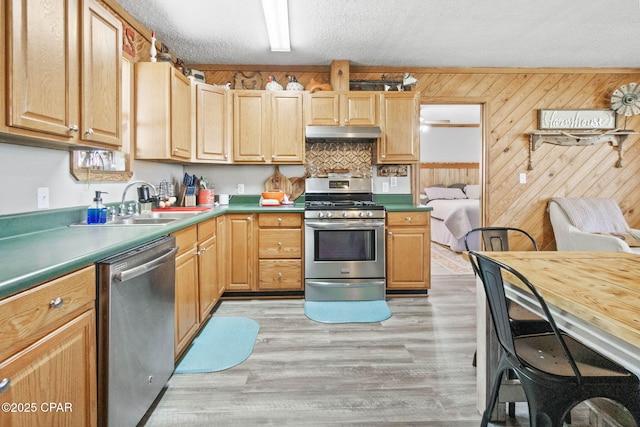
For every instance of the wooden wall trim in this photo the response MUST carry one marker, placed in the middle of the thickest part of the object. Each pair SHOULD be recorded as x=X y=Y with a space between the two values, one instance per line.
x=449 y=165
x=364 y=69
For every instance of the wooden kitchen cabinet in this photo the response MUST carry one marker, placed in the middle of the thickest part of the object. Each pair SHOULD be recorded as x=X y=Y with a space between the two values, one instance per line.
x=408 y=250
x=64 y=72
x=240 y=260
x=399 y=123
x=163 y=112
x=342 y=109
x=208 y=280
x=268 y=127
x=48 y=352
x=280 y=246
x=212 y=124
x=187 y=318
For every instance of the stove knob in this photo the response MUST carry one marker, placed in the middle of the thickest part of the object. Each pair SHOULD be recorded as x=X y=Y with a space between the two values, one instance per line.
x=344 y=214
x=328 y=215
x=369 y=214
x=320 y=215
x=361 y=214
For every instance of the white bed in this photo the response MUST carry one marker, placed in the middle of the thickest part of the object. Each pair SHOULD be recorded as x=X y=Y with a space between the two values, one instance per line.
x=453 y=215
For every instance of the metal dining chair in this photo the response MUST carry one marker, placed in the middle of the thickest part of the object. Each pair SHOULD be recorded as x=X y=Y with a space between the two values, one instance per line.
x=500 y=239
x=556 y=371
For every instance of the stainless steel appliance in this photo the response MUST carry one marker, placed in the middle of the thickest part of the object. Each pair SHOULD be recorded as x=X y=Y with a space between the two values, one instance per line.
x=136 y=302
x=344 y=241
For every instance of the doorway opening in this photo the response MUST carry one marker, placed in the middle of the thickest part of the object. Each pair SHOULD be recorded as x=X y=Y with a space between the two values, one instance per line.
x=451 y=144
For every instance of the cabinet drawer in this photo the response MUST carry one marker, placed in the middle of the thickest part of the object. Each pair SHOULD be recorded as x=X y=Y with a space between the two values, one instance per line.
x=280 y=274
x=290 y=220
x=408 y=218
x=30 y=315
x=206 y=229
x=186 y=238
x=275 y=243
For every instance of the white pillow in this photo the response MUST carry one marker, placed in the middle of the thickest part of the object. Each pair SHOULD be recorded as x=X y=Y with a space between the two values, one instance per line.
x=472 y=191
x=444 y=193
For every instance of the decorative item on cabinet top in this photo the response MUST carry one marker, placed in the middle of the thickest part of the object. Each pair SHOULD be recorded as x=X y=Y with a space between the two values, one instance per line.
x=387 y=83
x=272 y=84
x=294 y=84
x=251 y=81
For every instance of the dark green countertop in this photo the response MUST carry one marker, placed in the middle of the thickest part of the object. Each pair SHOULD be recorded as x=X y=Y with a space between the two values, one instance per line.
x=38 y=246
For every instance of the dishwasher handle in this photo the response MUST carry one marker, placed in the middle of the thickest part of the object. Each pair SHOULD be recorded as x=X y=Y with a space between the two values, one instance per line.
x=125 y=275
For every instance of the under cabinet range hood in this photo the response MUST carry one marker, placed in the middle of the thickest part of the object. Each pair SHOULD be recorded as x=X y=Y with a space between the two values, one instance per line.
x=351 y=132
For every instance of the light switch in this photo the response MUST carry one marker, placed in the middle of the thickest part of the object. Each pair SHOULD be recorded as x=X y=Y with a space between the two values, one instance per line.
x=385 y=187
x=523 y=178
x=43 y=197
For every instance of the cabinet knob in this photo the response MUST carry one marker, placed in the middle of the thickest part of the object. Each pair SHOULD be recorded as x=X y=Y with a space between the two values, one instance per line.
x=175 y=151
x=280 y=244
x=383 y=156
x=279 y=274
x=56 y=303
x=279 y=219
x=336 y=121
x=273 y=156
x=390 y=233
x=346 y=120
x=408 y=218
x=4 y=384
x=73 y=128
x=89 y=131
x=262 y=157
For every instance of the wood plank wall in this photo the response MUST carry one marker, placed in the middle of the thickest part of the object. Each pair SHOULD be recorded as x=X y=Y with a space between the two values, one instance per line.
x=432 y=174
x=511 y=98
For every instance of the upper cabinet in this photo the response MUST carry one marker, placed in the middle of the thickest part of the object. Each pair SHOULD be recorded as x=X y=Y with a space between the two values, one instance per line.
x=163 y=112
x=342 y=109
x=64 y=72
x=268 y=127
x=399 y=122
x=212 y=123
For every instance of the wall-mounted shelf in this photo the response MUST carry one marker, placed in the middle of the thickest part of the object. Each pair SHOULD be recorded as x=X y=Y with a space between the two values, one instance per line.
x=578 y=138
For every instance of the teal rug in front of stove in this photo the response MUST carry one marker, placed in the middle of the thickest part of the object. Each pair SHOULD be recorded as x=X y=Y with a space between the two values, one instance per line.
x=347 y=311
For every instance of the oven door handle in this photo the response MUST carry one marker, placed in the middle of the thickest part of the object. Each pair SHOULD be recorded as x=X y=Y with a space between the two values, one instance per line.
x=344 y=225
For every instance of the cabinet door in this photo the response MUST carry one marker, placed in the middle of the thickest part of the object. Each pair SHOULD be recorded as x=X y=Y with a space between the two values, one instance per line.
x=207 y=275
x=101 y=76
x=287 y=128
x=241 y=256
x=43 y=65
x=399 y=121
x=221 y=233
x=323 y=109
x=359 y=109
x=58 y=370
x=408 y=258
x=180 y=116
x=250 y=127
x=213 y=123
x=187 y=310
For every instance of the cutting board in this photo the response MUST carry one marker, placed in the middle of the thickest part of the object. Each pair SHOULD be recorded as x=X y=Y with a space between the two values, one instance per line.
x=297 y=186
x=277 y=181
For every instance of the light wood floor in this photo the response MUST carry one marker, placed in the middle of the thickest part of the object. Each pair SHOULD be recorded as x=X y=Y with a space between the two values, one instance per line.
x=412 y=369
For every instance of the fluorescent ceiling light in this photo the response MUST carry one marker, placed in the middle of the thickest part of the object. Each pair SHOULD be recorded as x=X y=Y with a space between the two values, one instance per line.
x=276 y=14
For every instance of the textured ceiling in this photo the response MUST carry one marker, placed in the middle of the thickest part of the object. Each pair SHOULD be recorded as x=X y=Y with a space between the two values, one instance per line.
x=421 y=33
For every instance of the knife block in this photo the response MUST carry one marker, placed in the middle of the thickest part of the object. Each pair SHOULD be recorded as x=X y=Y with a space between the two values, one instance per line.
x=187 y=196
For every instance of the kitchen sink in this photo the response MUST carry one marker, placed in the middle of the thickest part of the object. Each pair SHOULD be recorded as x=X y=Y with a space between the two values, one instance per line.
x=153 y=218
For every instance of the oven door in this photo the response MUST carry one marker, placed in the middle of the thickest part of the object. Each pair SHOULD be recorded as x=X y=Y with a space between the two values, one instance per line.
x=351 y=248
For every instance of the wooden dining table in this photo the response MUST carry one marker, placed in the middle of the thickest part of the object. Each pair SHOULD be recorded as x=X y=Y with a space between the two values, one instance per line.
x=593 y=296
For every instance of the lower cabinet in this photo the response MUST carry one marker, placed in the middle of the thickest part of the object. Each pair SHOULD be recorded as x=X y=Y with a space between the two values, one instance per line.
x=280 y=252
x=209 y=285
x=408 y=250
x=48 y=353
x=187 y=319
x=240 y=259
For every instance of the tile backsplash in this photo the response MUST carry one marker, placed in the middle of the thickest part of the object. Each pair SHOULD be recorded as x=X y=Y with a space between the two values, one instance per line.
x=326 y=155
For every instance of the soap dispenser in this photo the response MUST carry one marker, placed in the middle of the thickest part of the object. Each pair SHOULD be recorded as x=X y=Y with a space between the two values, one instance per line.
x=97 y=212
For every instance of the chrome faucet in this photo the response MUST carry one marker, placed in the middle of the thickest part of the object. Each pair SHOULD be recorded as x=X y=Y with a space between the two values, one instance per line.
x=123 y=208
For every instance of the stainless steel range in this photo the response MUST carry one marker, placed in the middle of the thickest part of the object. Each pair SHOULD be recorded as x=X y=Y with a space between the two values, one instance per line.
x=344 y=241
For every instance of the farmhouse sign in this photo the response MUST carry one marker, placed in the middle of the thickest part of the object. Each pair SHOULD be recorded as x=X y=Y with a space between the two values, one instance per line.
x=577 y=119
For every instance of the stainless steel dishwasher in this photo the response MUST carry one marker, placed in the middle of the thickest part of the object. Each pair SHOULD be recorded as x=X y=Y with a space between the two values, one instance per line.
x=136 y=302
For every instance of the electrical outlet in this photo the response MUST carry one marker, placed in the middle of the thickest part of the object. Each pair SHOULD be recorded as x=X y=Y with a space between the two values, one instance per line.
x=523 y=178
x=43 y=197
x=394 y=181
x=240 y=188
x=385 y=187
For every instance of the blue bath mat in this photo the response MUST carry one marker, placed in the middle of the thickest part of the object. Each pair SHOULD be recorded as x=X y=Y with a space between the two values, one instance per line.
x=347 y=311
x=223 y=343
